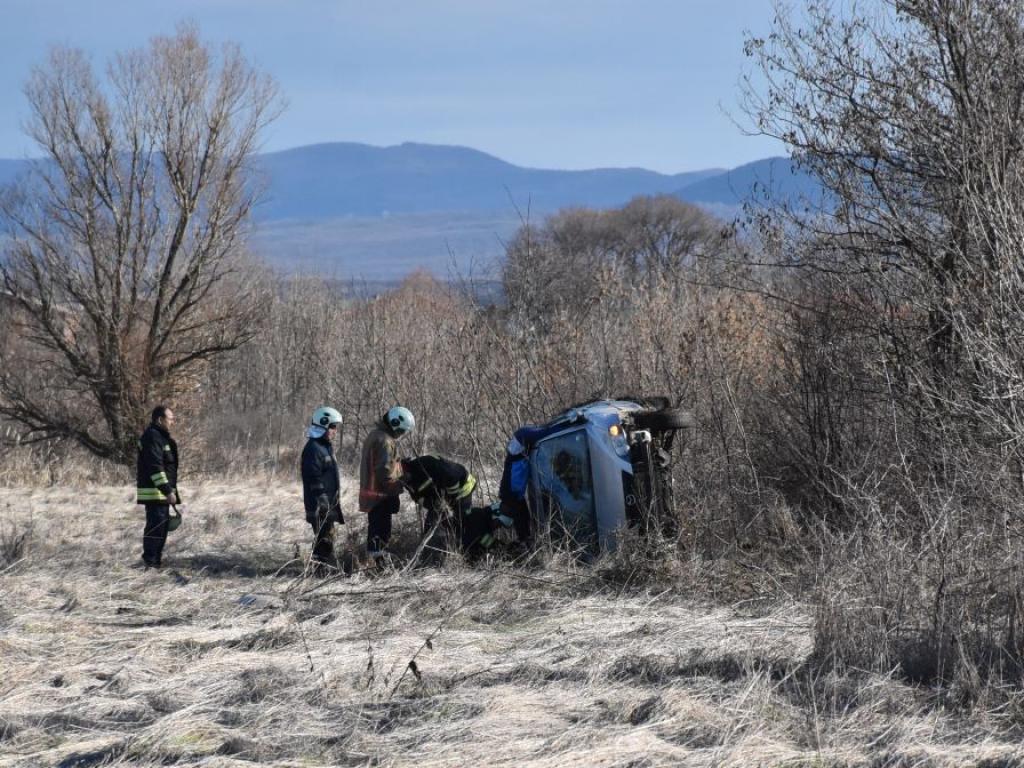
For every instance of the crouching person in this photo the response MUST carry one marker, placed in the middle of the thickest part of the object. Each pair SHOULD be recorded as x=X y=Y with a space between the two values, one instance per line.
x=445 y=490
x=321 y=486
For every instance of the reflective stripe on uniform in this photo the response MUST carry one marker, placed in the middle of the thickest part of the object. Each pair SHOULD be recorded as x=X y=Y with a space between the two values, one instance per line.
x=486 y=540
x=149 y=494
x=465 y=489
x=368 y=495
x=160 y=478
x=425 y=485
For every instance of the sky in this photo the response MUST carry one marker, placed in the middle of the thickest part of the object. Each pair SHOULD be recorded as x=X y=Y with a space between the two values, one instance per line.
x=564 y=84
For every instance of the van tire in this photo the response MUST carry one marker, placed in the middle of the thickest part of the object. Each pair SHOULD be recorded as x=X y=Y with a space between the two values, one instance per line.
x=664 y=420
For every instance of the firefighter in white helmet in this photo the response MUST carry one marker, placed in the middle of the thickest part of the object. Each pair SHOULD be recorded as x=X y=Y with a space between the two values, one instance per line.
x=380 y=478
x=321 y=485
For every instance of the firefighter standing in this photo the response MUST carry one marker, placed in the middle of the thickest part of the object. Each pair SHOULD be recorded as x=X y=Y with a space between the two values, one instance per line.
x=379 y=478
x=157 y=483
x=321 y=484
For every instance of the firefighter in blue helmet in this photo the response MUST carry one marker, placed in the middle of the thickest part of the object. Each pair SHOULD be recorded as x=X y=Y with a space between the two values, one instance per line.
x=156 y=480
x=321 y=485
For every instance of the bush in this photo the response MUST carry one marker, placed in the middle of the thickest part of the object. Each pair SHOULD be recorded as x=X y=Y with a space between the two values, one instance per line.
x=15 y=543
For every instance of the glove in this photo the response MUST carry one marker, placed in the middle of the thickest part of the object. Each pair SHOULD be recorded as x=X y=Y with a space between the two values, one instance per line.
x=322 y=505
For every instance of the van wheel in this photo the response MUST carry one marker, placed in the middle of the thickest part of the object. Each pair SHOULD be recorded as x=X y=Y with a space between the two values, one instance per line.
x=664 y=420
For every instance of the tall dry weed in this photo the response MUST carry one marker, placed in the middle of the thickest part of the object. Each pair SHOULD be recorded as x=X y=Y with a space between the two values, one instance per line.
x=15 y=541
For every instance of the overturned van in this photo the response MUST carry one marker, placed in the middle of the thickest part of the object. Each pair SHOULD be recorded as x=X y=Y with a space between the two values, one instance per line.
x=601 y=466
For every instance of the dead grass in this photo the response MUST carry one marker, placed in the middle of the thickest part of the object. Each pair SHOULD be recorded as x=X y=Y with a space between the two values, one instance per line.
x=231 y=656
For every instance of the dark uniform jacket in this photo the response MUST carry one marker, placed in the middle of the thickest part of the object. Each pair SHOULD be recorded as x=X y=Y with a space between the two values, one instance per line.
x=431 y=480
x=156 y=474
x=320 y=479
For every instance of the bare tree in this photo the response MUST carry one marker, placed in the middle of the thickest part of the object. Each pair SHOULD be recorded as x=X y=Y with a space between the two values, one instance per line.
x=126 y=241
x=565 y=265
x=909 y=112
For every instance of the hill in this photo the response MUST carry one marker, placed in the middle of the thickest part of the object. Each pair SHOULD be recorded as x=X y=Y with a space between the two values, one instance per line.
x=10 y=170
x=343 y=179
x=378 y=213
x=775 y=178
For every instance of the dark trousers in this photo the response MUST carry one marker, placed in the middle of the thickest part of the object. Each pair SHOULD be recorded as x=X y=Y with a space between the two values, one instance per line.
x=378 y=525
x=477 y=532
x=461 y=511
x=450 y=512
x=323 y=540
x=154 y=536
x=449 y=515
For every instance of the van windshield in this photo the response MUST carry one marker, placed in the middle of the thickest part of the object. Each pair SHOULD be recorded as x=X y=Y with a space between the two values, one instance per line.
x=563 y=487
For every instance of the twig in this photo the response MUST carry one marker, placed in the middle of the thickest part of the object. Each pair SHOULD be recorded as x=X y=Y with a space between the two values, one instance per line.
x=428 y=642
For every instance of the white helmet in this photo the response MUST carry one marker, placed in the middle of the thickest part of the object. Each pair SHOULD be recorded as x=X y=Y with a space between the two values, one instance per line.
x=400 y=420
x=325 y=416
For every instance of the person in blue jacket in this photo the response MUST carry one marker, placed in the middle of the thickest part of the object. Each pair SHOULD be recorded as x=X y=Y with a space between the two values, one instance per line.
x=515 y=478
x=321 y=484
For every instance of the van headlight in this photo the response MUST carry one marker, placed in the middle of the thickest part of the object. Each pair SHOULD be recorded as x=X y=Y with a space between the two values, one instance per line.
x=617 y=436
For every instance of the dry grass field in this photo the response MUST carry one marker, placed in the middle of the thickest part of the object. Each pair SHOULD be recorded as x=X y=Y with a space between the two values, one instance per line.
x=232 y=656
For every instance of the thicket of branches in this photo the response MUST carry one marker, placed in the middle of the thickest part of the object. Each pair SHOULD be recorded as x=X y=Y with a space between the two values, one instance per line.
x=904 y=331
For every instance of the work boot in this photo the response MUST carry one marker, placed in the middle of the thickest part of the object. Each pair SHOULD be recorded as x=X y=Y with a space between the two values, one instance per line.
x=148 y=563
x=383 y=563
x=321 y=568
x=348 y=563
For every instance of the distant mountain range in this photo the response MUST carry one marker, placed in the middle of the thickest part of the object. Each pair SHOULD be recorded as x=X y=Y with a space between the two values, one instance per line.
x=355 y=210
x=328 y=180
